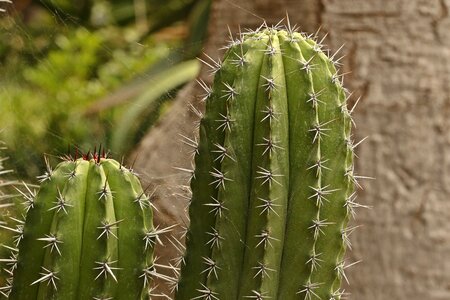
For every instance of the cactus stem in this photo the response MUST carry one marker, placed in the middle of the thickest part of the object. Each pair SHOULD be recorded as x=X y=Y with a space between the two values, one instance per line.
x=353 y=145
x=10 y=248
x=152 y=236
x=336 y=61
x=215 y=66
x=102 y=298
x=307 y=66
x=226 y=123
x=317 y=227
x=319 y=130
x=308 y=145
x=28 y=197
x=153 y=295
x=320 y=194
x=262 y=270
x=147 y=275
x=319 y=165
x=338 y=78
x=219 y=178
x=211 y=267
x=206 y=293
x=350 y=173
x=105 y=191
x=106 y=269
x=197 y=112
x=314 y=260
x=16 y=230
x=268 y=176
x=179 y=261
x=269 y=114
x=61 y=203
x=21 y=222
x=72 y=174
x=107 y=229
x=341 y=267
x=257 y=295
x=270 y=51
x=189 y=171
x=193 y=143
x=240 y=62
x=352 y=205
x=229 y=92
x=215 y=238
x=144 y=201
x=150 y=272
x=354 y=106
x=52 y=242
x=223 y=152
x=313 y=98
x=208 y=90
x=308 y=290
x=179 y=246
x=217 y=207
x=339 y=294
x=231 y=41
x=268 y=206
x=173 y=287
x=48 y=173
x=265 y=239
x=270 y=84
x=5 y=290
x=48 y=276
x=11 y=261
x=345 y=233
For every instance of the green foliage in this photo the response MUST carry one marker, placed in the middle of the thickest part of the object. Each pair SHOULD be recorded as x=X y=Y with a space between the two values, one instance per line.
x=59 y=63
x=273 y=184
x=88 y=234
x=47 y=101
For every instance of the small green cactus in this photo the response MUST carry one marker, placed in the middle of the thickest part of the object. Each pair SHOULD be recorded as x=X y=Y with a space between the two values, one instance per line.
x=273 y=186
x=88 y=234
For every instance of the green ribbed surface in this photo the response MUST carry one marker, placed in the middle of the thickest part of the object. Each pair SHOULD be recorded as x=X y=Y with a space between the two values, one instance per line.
x=273 y=175
x=91 y=207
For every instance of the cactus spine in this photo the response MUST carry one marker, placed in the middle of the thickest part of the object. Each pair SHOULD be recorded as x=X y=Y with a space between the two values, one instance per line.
x=273 y=184
x=88 y=234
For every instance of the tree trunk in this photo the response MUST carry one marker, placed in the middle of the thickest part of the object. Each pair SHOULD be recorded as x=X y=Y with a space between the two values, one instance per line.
x=399 y=55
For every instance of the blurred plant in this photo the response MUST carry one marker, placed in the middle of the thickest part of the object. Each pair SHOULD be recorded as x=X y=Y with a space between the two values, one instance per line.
x=47 y=103
x=61 y=62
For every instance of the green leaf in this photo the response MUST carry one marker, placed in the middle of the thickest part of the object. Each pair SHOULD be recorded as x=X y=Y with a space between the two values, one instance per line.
x=159 y=86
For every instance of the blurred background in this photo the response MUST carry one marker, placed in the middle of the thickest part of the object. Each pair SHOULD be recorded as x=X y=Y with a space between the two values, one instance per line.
x=70 y=69
x=121 y=73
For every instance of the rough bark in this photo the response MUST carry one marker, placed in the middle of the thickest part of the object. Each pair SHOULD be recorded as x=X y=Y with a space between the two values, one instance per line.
x=399 y=56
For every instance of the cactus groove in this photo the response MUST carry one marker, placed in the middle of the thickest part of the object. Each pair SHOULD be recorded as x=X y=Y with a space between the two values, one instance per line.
x=273 y=185
x=88 y=234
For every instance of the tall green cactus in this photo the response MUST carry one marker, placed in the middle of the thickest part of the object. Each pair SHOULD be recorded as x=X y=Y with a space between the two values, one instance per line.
x=273 y=185
x=88 y=234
